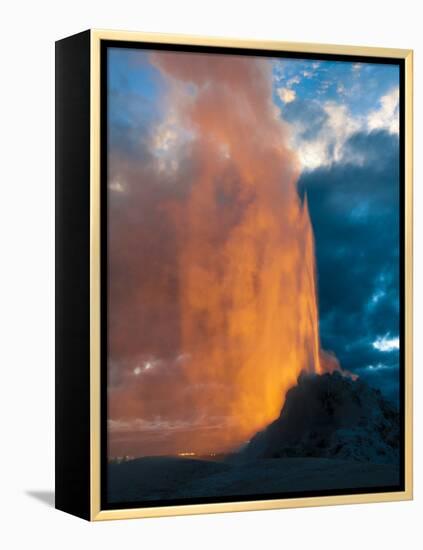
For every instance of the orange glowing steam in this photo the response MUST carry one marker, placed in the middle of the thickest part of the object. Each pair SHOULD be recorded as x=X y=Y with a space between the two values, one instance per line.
x=246 y=261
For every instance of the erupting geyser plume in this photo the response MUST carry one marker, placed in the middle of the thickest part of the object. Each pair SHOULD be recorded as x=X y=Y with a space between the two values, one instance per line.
x=244 y=316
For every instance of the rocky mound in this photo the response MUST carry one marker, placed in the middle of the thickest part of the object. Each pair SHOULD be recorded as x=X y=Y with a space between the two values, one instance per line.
x=331 y=416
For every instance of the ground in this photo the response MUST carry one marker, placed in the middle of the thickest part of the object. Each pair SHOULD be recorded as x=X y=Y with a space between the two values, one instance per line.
x=157 y=478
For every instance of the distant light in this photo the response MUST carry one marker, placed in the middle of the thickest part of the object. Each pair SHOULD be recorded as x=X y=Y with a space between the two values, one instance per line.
x=385 y=343
x=186 y=454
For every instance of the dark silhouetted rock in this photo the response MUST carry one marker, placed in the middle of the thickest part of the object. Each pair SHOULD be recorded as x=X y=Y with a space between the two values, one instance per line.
x=331 y=416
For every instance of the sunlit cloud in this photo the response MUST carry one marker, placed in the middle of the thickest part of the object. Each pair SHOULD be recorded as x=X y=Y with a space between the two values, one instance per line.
x=286 y=95
x=356 y=97
x=327 y=146
x=386 y=344
x=387 y=115
x=293 y=81
x=168 y=141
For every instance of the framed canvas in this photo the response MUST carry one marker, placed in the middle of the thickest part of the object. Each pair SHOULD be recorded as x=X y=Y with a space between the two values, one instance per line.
x=233 y=275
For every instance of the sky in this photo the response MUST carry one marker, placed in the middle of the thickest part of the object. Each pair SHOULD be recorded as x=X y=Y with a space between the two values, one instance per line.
x=339 y=139
x=345 y=124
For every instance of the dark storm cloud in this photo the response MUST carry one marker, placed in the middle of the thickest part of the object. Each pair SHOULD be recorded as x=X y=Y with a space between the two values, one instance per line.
x=354 y=211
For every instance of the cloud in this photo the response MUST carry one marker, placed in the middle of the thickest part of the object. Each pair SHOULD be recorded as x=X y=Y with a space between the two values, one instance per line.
x=293 y=72
x=286 y=95
x=320 y=130
x=387 y=115
x=351 y=98
x=378 y=367
x=165 y=137
x=332 y=126
x=169 y=142
x=385 y=343
x=293 y=81
x=116 y=186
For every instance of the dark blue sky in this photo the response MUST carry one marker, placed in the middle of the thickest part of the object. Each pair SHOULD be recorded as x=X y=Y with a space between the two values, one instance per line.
x=354 y=212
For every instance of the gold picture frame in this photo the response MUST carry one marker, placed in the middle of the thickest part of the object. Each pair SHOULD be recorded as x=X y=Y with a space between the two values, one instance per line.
x=91 y=493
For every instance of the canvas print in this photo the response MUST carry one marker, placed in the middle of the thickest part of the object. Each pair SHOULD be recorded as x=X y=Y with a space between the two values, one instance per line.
x=254 y=286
